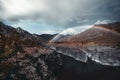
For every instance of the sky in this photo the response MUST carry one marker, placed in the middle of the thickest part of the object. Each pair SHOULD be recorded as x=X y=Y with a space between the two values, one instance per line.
x=55 y=16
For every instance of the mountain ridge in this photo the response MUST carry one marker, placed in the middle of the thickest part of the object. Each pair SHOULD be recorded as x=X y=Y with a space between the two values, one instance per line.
x=18 y=39
x=100 y=44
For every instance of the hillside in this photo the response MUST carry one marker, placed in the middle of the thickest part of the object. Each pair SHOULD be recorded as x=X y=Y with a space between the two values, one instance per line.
x=112 y=26
x=25 y=56
x=103 y=34
x=14 y=39
x=99 y=43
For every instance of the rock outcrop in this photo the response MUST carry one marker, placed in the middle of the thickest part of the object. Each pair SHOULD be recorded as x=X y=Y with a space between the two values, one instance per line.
x=99 y=43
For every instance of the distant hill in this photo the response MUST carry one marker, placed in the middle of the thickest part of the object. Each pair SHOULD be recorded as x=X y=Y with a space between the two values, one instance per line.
x=47 y=37
x=102 y=34
x=112 y=26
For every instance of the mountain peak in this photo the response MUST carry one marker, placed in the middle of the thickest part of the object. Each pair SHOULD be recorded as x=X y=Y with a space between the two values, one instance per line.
x=20 y=30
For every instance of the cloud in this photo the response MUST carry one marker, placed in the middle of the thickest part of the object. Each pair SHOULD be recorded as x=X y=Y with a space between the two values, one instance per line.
x=36 y=27
x=75 y=30
x=57 y=15
x=78 y=29
x=105 y=21
x=60 y=12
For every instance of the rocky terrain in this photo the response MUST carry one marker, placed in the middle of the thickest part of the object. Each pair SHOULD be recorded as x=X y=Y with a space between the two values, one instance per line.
x=24 y=56
x=94 y=53
x=27 y=66
x=100 y=43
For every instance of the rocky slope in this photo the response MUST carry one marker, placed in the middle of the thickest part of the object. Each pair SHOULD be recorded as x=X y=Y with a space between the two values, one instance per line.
x=16 y=38
x=27 y=66
x=100 y=43
x=24 y=56
x=112 y=26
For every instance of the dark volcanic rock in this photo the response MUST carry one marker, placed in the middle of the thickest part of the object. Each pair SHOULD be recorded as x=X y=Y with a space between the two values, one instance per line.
x=76 y=70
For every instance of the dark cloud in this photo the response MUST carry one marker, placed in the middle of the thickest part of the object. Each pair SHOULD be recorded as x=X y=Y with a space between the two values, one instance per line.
x=65 y=13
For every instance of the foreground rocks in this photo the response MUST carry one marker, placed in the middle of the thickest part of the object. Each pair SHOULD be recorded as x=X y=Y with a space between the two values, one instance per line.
x=104 y=55
x=26 y=66
x=55 y=66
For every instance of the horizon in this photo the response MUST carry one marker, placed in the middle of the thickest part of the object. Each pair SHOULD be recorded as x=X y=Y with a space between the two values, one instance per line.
x=69 y=31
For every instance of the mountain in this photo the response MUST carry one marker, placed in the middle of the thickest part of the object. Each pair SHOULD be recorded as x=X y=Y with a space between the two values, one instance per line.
x=26 y=56
x=102 y=34
x=99 y=43
x=23 y=35
x=14 y=39
x=112 y=26
x=47 y=37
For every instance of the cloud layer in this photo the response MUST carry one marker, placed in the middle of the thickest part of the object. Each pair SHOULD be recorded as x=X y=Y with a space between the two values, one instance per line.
x=65 y=13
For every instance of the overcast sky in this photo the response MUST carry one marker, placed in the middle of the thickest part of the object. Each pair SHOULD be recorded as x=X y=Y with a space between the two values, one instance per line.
x=54 y=16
